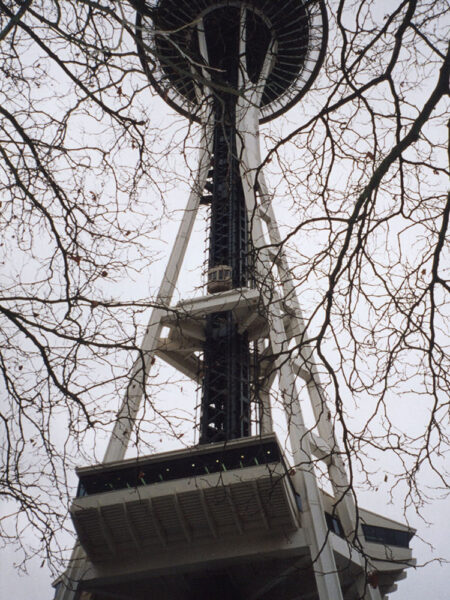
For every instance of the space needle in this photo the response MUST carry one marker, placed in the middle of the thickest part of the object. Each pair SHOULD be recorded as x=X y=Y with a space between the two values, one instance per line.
x=231 y=517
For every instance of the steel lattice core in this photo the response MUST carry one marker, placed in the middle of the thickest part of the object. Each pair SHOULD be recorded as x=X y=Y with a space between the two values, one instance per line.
x=201 y=52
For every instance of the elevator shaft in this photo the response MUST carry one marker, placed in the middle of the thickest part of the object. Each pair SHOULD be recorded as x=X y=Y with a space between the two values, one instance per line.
x=225 y=408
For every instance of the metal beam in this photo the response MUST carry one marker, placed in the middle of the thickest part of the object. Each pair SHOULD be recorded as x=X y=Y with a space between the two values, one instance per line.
x=236 y=517
x=133 y=532
x=182 y=519
x=207 y=512
x=261 y=508
x=155 y=521
x=106 y=532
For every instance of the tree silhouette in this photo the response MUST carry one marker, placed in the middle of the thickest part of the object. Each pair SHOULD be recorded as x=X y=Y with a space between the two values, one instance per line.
x=360 y=167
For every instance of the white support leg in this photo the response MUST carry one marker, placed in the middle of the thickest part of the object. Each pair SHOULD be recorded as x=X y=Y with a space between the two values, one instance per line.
x=313 y=518
x=126 y=417
x=336 y=468
x=313 y=515
x=136 y=388
x=68 y=581
x=266 y=422
x=325 y=567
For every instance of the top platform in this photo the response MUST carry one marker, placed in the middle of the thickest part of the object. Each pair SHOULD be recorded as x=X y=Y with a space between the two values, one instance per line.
x=170 y=33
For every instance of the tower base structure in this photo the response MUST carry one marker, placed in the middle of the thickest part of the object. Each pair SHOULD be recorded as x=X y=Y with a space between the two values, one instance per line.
x=223 y=521
x=231 y=519
x=227 y=520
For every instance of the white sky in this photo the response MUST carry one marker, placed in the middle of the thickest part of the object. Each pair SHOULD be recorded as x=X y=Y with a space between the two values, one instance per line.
x=432 y=540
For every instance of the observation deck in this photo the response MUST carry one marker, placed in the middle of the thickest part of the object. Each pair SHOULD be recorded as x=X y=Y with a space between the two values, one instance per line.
x=187 y=496
x=214 y=521
x=184 y=66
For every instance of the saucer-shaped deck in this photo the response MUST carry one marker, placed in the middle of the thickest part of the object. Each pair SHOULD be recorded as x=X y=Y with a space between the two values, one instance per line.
x=293 y=33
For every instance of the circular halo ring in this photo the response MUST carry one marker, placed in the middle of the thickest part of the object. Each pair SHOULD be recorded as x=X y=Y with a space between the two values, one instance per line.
x=300 y=28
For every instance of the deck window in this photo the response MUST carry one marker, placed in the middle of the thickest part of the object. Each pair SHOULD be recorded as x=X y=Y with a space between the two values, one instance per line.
x=387 y=536
x=334 y=524
x=150 y=471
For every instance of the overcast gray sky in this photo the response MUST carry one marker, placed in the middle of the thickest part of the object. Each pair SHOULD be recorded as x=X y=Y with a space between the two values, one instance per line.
x=430 y=581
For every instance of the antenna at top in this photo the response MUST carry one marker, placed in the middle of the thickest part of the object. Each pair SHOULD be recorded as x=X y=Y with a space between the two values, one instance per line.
x=192 y=48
